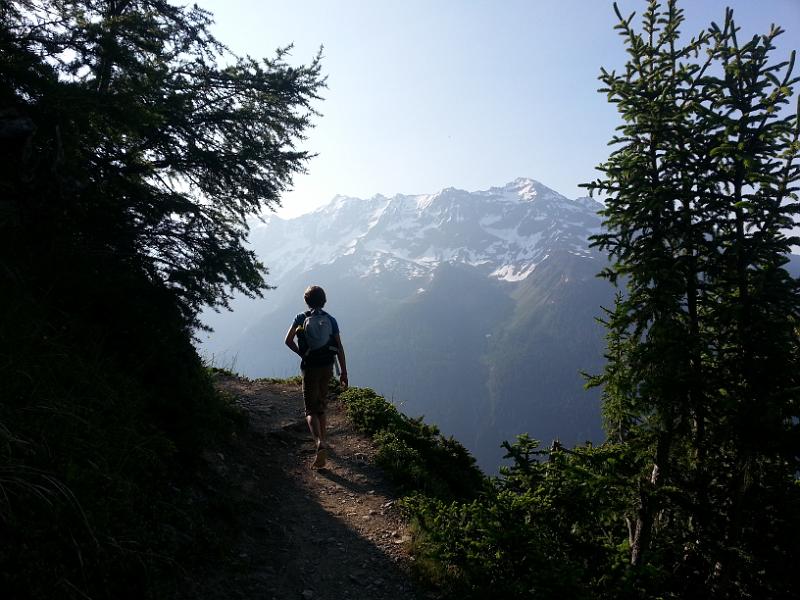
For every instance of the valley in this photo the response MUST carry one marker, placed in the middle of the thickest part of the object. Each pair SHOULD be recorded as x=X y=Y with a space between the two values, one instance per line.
x=474 y=309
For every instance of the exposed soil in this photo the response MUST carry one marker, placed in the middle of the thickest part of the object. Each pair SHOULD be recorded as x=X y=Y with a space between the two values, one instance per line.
x=333 y=533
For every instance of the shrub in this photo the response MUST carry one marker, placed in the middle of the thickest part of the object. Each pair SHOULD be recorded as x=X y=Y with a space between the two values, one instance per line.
x=499 y=544
x=406 y=464
x=543 y=529
x=369 y=412
x=415 y=455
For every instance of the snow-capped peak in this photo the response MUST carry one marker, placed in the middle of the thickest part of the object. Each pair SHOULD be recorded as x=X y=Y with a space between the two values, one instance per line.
x=504 y=231
x=525 y=189
x=525 y=186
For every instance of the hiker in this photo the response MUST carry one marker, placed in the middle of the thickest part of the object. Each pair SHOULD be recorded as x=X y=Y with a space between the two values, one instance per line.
x=318 y=345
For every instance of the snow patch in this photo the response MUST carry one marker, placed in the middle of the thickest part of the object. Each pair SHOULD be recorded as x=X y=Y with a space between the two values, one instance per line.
x=510 y=273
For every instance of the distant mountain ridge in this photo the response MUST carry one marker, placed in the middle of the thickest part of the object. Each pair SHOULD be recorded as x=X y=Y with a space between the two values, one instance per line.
x=505 y=231
x=476 y=309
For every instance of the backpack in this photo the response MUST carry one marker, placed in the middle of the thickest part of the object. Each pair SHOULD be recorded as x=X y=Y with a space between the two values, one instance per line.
x=315 y=340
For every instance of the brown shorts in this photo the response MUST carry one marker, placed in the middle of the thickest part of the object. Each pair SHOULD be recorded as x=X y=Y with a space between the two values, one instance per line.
x=315 y=388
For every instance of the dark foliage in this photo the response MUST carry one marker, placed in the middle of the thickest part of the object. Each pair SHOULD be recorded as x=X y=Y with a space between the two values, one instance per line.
x=416 y=455
x=543 y=529
x=703 y=363
x=129 y=161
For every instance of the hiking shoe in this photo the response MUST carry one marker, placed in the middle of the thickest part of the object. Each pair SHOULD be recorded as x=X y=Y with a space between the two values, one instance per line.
x=321 y=458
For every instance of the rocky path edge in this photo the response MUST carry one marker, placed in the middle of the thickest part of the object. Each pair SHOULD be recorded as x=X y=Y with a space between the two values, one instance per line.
x=300 y=533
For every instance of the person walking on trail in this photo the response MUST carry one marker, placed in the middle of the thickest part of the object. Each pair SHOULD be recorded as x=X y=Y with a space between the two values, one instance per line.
x=318 y=345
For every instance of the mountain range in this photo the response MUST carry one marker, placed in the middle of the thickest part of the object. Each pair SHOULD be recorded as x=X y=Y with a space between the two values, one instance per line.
x=475 y=309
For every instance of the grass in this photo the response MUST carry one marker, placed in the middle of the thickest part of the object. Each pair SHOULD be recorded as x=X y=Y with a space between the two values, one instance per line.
x=295 y=380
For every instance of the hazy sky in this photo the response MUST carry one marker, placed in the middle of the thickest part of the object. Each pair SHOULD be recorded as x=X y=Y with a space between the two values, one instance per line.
x=427 y=94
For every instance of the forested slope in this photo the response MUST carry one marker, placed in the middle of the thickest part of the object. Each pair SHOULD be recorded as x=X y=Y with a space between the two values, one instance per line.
x=129 y=160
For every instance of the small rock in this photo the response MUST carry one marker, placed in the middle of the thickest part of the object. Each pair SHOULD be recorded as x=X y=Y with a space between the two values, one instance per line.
x=307 y=594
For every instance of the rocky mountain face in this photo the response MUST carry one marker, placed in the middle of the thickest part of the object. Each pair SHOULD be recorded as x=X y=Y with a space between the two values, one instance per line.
x=476 y=309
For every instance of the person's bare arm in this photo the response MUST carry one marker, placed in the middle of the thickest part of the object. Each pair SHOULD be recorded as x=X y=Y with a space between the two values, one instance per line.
x=342 y=361
x=290 y=340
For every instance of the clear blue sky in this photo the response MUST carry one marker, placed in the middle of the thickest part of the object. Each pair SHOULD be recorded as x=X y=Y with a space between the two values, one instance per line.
x=426 y=94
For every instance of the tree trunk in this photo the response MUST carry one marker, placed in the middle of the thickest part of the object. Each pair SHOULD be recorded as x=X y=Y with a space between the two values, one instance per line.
x=649 y=505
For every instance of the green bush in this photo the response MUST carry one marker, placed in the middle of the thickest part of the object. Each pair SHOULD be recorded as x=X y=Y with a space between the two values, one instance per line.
x=416 y=455
x=543 y=529
x=497 y=545
x=406 y=464
x=549 y=526
x=369 y=412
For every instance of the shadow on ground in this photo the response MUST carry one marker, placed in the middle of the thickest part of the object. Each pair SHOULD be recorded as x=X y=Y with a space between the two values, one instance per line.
x=302 y=534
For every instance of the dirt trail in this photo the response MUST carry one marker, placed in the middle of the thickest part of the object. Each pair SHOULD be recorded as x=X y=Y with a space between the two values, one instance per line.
x=329 y=534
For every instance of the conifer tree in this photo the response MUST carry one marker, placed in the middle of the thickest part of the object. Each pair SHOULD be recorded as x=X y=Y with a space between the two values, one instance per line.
x=148 y=140
x=702 y=367
x=133 y=149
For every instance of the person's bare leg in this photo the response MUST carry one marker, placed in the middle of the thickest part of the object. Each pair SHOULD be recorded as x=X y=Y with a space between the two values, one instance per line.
x=313 y=427
x=323 y=430
x=316 y=423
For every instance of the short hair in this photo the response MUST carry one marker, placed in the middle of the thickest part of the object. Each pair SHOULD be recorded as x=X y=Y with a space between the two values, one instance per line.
x=314 y=296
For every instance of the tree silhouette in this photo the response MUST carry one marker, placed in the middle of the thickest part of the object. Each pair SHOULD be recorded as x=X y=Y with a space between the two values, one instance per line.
x=133 y=149
x=703 y=365
x=146 y=139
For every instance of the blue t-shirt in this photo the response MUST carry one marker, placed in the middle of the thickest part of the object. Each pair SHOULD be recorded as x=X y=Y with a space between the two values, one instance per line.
x=300 y=319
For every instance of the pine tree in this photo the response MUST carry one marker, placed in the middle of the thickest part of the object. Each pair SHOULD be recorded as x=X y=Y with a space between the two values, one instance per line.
x=149 y=140
x=702 y=365
x=134 y=147
x=753 y=304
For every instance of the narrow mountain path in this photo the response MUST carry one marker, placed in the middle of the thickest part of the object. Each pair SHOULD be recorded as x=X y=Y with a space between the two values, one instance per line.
x=329 y=534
